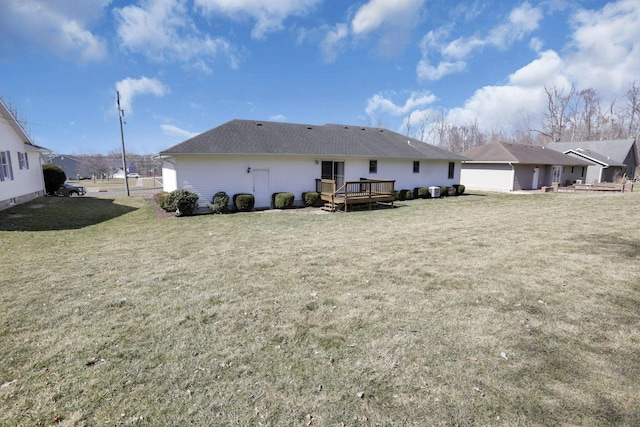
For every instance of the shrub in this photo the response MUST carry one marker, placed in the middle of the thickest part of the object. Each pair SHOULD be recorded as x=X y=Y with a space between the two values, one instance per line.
x=443 y=191
x=404 y=194
x=161 y=199
x=219 y=203
x=54 y=177
x=283 y=200
x=312 y=198
x=182 y=202
x=421 y=193
x=451 y=191
x=243 y=202
x=459 y=189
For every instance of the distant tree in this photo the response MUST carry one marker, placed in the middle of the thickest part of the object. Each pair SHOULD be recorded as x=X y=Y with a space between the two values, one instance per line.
x=54 y=177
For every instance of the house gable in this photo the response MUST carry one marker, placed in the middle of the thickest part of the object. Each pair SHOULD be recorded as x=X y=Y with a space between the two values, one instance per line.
x=21 y=177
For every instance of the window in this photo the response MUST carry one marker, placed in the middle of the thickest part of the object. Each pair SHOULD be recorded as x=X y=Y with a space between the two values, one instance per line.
x=582 y=174
x=373 y=166
x=23 y=160
x=416 y=167
x=6 y=172
x=452 y=170
x=572 y=169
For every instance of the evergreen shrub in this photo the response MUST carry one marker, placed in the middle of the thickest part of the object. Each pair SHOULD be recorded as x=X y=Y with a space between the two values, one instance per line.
x=244 y=202
x=219 y=203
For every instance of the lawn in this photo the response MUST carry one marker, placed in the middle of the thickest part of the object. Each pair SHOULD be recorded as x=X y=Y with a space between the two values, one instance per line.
x=484 y=309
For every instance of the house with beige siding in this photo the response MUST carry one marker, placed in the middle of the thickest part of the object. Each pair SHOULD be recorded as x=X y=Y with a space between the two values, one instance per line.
x=504 y=166
x=21 y=177
x=262 y=158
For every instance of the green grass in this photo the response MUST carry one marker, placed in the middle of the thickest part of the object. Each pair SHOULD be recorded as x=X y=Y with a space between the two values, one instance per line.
x=474 y=310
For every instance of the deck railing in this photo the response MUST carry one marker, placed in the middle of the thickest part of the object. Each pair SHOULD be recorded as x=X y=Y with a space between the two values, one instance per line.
x=354 y=192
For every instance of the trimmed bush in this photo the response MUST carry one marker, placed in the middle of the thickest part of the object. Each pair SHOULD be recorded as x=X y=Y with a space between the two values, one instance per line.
x=312 y=198
x=459 y=189
x=182 y=202
x=54 y=177
x=219 y=203
x=283 y=200
x=451 y=191
x=161 y=199
x=443 y=191
x=244 y=202
x=421 y=193
x=404 y=194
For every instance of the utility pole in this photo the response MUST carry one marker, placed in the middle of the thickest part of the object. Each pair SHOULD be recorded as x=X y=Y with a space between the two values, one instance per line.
x=124 y=156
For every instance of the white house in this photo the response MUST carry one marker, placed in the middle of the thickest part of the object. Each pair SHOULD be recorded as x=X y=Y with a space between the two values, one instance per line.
x=504 y=166
x=21 y=177
x=262 y=158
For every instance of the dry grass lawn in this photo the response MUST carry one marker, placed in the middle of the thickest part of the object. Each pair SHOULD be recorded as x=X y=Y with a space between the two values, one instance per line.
x=474 y=310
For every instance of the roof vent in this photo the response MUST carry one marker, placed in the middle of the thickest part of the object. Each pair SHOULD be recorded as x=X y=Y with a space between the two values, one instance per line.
x=258 y=124
x=309 y=127
x=346 y=127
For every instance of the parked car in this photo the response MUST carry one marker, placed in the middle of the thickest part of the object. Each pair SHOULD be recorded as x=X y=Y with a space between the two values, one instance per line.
x=67 y=189
x=133 y=175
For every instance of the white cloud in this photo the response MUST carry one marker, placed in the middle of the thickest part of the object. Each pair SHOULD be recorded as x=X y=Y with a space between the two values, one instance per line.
x=163 y=31
x=522 y=20
x=58 y=25
x=378 y=103
x=175 y=131
x=333 y=42
x=130 y=88
x=393 y=20
x=278 y=118
x=378 y=13
x=604 y=54
x=268 y=14
x=606 y=46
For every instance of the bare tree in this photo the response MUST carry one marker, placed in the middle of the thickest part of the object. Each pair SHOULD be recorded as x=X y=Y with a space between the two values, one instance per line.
x=633 y=105
x=557 y=117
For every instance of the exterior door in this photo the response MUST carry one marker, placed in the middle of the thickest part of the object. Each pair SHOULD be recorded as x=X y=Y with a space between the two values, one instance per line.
x=536 y=177
x=333 y=170
x=557 y=174
x=261 y=188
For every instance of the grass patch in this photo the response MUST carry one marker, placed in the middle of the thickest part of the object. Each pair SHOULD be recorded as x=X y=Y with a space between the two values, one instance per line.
x=474 y=310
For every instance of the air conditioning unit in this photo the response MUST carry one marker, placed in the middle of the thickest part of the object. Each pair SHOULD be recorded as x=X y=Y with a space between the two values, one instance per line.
x=578 y=181
x=434 y=192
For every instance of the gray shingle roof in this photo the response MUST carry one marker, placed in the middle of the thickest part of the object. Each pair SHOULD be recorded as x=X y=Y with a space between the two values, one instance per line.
x=503 y=152
x=596 y=157
x=248 y=137
x=616 y=149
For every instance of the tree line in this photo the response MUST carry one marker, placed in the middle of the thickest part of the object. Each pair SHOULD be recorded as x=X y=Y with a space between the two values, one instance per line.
x=570 y=115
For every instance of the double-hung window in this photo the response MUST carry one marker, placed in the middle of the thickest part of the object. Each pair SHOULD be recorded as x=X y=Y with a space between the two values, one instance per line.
x=452 y=169
x=373 y=166
x=23 y=160
x=6 y=172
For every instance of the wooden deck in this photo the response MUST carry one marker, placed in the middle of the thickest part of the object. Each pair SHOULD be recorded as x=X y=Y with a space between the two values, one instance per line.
x=365 y=191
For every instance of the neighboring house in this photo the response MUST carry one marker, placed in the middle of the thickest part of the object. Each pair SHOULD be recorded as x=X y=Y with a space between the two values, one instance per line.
x=506 y=166
x=609 y=159
x=72 y=167
x=21 y=177
x=261 y=158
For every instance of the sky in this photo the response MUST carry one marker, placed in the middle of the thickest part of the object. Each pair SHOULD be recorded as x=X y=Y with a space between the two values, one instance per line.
x=182 y=67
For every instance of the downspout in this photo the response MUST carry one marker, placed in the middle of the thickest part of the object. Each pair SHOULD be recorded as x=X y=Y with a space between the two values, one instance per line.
x=513 y=175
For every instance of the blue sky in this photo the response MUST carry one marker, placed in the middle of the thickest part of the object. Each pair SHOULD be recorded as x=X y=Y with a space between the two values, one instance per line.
x=185 y=66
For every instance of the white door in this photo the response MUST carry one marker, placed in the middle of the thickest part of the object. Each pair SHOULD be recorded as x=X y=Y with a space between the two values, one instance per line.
x=261 y=188
x=536 y=176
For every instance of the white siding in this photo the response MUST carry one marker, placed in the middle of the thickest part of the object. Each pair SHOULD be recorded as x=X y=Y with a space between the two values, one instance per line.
x=487 y=176
x=26 y=183
x=205 y=175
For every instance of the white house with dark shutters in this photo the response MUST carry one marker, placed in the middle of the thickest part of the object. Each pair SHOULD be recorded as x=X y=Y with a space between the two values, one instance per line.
x=21 y=177
x=262 y=158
